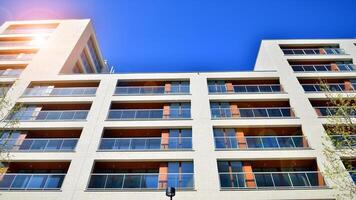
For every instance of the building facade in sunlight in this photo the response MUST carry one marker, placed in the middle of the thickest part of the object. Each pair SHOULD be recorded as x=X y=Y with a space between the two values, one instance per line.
x=85 y=133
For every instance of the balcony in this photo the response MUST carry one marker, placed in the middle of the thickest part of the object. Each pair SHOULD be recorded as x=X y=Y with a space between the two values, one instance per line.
x=10 y=72
x=324 y=68
x=344 y=141
x=333 y=111
x=61 y=89
x=26 y=176
x=49 y=112
x=332 y=85
x=16 y=57
x=350 y=165
x=251 y=110
x=40 y=141
x=149 y=111
x=244 y=87
x=259 y=138
x=152 y=88
x=153 y=176
x=270 y=174
x=146 y=140
x=313 y=51
x=30 y=29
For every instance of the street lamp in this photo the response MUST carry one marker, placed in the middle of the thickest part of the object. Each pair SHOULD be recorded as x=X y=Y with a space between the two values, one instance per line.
x=170 y=192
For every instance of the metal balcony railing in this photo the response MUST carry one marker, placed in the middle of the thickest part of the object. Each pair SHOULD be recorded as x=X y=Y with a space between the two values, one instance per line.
x=335 y=111
x=151 y=90
x=67 y=115
x=40 y=145
x=26 y=181
x=344 y=141
x=273 y=180
x=132 y=144
x=278 y=112
x=334 y=87
x=319 y=51
x=118 y=181
x=70 y=91
x=16 y=57
x=147 y=114
x=272 y=88
x=10 y=72
x=324 y=68
x=262 y=142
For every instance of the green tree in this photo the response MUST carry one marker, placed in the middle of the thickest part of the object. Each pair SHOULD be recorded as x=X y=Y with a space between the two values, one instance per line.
x=340 y=143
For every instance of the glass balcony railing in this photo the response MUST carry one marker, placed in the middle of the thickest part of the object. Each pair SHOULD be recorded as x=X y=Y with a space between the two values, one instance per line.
x=147 y=114
x=324 y=68
x=16 y=57
x=11 y=72
x=223 y=113
x=344 y=141
x=274 y=88
x=24 y=181
x=151 y=90
x=28 y=31
x=320 y=51
x=16 y=43
x=272 y=180
x=261 y=142
x=335 y=111
x=132 y=144
x=72 y=91
x=40 y=145
x=67 y=115
x=117 y=181
x=336 y=87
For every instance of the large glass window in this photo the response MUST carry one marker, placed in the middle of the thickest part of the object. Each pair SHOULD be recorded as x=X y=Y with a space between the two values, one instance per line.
x=216 y=86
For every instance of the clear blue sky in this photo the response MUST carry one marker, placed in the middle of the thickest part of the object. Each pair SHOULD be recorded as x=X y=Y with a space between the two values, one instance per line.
x=192 y=35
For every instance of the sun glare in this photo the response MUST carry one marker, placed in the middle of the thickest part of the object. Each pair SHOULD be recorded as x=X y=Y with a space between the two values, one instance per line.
x=38 y=40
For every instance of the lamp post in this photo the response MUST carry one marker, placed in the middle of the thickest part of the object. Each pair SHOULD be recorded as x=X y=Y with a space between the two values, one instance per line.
x=170 y=192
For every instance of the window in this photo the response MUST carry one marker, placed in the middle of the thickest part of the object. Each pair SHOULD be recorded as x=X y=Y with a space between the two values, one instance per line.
x=216 y=86
x=180 y=139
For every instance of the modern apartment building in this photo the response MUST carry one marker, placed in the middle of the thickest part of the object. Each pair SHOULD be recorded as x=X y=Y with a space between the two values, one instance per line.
x=84 y=133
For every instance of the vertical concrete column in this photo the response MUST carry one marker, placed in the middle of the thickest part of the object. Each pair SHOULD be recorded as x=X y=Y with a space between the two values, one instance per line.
x=241 y=141
x=334 y=67
x=321 y=181
x=249 y=177
x=234 y=110
x=166 y=111
x=168 y=88
x=229 y=87
x=163 y=175
x=164 y=139
x=305 y=142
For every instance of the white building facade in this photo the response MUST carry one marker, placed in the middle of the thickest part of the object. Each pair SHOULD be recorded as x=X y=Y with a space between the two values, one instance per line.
x=84 y=133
